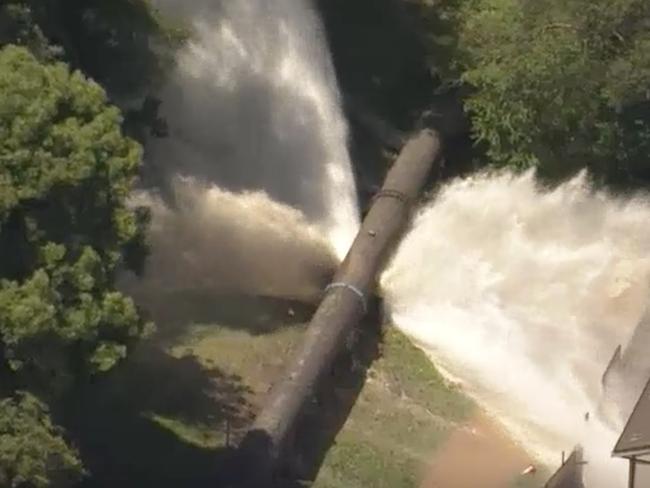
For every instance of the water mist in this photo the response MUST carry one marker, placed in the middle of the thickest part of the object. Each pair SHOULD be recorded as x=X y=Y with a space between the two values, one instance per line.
x=522 y=294
x=252 y=191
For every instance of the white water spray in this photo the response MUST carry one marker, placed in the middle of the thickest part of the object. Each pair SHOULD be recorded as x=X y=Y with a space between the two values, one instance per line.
x=253 y=105
x=523 y=294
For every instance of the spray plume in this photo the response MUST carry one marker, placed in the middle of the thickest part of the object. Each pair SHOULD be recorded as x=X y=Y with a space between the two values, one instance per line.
x=523 y=294
x=252 y=192
x=253 y=105
x=218 y=242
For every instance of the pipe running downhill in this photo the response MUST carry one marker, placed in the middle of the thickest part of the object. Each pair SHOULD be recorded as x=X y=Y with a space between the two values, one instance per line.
x=267 y=442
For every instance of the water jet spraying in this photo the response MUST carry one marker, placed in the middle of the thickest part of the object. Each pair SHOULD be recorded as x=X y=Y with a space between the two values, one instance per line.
x=522 y=294
x=252 y=190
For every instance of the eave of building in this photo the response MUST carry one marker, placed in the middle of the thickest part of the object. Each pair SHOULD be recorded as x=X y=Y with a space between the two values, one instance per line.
x=633 y=453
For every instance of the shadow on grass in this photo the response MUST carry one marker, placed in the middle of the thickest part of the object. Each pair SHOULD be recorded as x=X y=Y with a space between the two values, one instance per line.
x=161 y=421
x=324 y=412
x=173 y=312
x=157 y=421
x=331 y=408
x=336 y=396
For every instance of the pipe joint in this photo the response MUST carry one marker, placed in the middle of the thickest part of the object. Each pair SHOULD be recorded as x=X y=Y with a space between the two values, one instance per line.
x=353 y=289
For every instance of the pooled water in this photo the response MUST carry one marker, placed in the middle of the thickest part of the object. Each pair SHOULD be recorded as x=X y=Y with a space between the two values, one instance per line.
x=522 y=294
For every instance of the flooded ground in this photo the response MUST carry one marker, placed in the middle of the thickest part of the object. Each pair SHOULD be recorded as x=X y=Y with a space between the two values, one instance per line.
x=477 y=453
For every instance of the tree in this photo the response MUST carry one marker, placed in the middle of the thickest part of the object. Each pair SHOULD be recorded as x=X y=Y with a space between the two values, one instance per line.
x=33 y=452
x=124 y=45
x=560 y=84
x=66 y=171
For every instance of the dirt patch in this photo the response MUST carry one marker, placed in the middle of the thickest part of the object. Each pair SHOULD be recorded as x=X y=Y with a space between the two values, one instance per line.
x=478 y=453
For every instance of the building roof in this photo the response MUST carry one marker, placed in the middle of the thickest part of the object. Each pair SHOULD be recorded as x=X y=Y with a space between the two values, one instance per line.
x=635 y=438
x=569 y=475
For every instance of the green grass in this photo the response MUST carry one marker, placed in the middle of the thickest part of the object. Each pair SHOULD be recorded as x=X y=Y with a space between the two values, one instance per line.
x=355 y=464
x=196 y=434
x=405 y=410
x=257 y=359
x=412 y=374
x=403 y=414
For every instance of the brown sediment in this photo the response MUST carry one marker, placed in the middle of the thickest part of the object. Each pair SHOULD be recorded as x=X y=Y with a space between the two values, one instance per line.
x=477 y=454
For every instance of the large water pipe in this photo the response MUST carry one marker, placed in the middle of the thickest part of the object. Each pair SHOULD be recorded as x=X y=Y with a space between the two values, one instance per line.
x=263 y=451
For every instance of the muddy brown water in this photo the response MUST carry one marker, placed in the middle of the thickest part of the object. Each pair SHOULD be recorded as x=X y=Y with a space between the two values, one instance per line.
x=478 y=454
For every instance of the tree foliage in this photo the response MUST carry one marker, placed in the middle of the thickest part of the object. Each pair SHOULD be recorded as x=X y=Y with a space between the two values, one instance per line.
x=66 y=171
x=122 y=44
x=560 y=84
x=33 y=453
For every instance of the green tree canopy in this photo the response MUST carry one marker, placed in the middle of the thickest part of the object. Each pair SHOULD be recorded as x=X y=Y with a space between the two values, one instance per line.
x=122 y=44
x=33 y=452
x=66 y=171
x=560 y=84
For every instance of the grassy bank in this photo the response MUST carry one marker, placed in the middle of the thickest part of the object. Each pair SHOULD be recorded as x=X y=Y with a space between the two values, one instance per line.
x=405 y=411
x=171 y=410
x=407 y=417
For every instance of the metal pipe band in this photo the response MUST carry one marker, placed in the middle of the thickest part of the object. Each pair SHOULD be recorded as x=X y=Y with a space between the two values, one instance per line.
x=353 y=289
x=388 y=193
